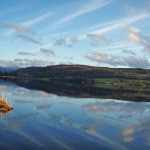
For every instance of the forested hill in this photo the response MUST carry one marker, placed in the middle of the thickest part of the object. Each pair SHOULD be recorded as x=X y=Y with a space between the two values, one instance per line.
x=8 y=69
x=83 y=71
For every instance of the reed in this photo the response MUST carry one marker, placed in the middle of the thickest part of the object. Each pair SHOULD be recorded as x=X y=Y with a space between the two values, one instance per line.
x=4 y=106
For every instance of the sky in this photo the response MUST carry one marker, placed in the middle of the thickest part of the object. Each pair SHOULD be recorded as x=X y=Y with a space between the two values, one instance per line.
x=104 y=33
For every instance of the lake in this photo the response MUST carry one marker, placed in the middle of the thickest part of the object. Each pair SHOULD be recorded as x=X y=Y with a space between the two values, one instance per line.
x=57 y=120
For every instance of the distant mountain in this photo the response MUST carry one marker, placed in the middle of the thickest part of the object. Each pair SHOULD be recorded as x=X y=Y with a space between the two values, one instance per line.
x=8 y=69
x=83 y=71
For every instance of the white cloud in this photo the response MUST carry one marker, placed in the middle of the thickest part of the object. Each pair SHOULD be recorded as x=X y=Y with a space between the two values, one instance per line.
x=116 y=60
x=98 y=37
x=26 y=63
x=135 y=36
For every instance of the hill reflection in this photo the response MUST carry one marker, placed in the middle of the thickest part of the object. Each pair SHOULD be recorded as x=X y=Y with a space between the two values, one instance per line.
x=84 y=91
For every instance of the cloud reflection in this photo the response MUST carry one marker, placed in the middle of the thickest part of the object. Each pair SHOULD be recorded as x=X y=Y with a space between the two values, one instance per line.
x=24 y=116
x=23 y=101
x=114 y=106
x=142 y=128
x=12 y=126
x=43 y=106
x=92 y=128
x=23 y=92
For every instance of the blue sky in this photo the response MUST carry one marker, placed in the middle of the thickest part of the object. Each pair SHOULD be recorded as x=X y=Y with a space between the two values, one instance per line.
x=106 y=33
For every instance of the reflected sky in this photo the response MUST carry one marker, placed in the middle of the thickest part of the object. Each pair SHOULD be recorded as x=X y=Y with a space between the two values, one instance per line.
x=47 y=121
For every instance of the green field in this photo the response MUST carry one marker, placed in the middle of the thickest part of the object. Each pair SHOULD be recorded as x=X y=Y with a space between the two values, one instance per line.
x=116 y=83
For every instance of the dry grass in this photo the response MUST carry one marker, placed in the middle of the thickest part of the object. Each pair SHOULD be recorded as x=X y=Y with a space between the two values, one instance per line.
x=4 y=106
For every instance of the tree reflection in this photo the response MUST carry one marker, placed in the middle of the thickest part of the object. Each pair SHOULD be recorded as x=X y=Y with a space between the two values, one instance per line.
x=84 y=91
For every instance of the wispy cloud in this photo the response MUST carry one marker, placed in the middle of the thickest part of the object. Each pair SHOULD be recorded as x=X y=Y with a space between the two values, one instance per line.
x=38 y=19
x=11 y=10
x=47 y=52
x=97 y=35
x=91 y=6
x=43 y=106
x=126 y=51
x=17 y=27
x=123 y=22
x=26 y=53
x=27 y=39
x=112 y=25
x=66 y=42
x=27 y=23
x=62 y=41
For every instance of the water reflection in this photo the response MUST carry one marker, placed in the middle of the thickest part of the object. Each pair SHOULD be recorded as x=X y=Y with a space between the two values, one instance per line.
x=43 y=106
x=24 y=116
x=13 y=126
x=128 y=108
x=41 y=120
x=80 y=91
x=142 y=128
x=23 y=101
x=3 y=114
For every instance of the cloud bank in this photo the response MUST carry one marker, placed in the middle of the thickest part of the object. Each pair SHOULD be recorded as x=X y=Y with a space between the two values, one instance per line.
x=22 y=63
x=116 y=60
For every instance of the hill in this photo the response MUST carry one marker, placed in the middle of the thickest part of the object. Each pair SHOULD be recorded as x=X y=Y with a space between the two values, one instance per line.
x=8 y=69
x=83 y=71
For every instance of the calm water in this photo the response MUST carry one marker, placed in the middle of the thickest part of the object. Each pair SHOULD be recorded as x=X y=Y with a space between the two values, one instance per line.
x=42 y=120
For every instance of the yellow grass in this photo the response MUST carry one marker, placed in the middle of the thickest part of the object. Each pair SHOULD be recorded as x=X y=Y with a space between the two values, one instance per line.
x=4 y=106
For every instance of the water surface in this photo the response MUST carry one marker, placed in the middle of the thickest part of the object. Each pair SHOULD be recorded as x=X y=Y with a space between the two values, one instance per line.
x=42 y=120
